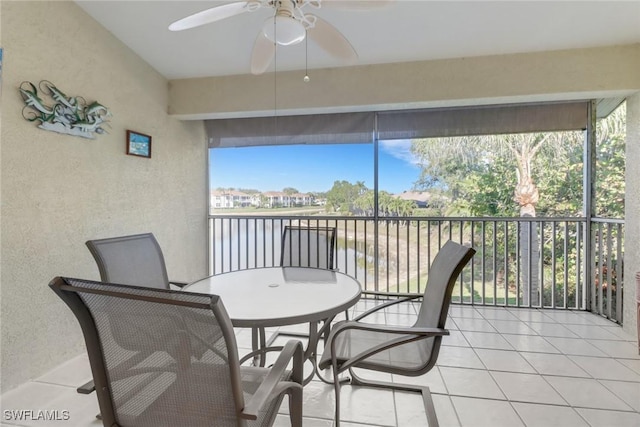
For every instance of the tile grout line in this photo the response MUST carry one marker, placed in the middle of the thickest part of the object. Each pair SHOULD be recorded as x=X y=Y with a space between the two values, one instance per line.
x=629 y=411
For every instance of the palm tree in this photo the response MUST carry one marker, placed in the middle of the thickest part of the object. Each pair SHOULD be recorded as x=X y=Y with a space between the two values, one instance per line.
x=407 y=208
x=447 y=163
x=385 y=203
x=365 y=203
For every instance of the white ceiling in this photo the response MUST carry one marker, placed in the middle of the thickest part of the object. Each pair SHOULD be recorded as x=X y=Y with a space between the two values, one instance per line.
x=404 y=31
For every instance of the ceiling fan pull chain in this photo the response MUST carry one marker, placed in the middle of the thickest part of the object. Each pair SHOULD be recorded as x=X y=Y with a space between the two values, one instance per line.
x=275 y=84
x=306 y=60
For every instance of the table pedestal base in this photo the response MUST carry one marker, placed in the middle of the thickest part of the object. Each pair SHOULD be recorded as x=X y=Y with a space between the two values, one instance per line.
x=261 y=346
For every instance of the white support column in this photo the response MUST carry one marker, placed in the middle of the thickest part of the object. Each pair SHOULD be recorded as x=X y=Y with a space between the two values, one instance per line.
x=632 y=214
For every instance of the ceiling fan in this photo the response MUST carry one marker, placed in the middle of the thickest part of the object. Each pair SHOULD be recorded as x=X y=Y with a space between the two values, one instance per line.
x=289 y=25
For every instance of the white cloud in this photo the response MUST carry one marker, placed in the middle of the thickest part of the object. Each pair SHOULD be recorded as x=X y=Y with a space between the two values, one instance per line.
x=400 y=149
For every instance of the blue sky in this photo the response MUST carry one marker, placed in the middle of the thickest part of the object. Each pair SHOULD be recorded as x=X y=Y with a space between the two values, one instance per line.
x=312 y=167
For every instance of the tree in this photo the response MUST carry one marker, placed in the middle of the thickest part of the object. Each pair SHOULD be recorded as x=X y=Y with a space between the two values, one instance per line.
x=471 y=165
x=343 y=195
x=290 y=190
x=364 y=204
x=610 y=166
x=385 y=203
x=407 y=208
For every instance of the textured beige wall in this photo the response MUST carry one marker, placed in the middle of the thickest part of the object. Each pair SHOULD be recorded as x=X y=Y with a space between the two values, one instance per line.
x=568 y=74
x=60 y=190
x=632 y=213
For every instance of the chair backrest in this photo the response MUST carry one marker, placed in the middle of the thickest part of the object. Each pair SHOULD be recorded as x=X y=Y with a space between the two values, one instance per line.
x=130 y=260
x=183 y=370
x=308 y=247
x=443 y=274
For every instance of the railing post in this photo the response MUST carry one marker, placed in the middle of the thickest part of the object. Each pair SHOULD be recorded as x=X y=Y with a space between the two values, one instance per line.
x=589 y=194
x=376 y=264
x=211 y=246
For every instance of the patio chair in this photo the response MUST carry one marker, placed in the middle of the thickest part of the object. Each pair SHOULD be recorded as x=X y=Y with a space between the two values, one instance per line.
x=411 y=350
x=169 y=358
x=303 y=246
x=308 y=247
x=131 y=260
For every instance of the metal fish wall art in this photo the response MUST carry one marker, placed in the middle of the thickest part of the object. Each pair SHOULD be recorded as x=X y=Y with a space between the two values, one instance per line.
x=61 y=113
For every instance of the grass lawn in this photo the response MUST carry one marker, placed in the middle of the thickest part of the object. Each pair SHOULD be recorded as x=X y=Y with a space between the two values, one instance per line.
x=465 y=296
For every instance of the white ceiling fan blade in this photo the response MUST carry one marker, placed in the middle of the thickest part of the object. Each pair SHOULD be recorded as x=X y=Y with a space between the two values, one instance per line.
x=332 y=40
x=356 y=4
x=263 y=52
x=210 y=15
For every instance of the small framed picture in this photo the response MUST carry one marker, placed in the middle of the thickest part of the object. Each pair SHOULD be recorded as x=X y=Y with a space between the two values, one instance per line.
x=138 y=144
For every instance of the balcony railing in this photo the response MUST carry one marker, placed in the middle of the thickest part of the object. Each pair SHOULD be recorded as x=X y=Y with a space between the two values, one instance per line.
x=520 y=262
x=606 y=269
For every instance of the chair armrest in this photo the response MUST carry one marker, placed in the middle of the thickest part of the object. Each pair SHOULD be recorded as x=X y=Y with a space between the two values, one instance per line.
x=406 y=334
x=385 y=305
x=273 y=385
x=178 y=284
x=87 y=388
x=390 y=329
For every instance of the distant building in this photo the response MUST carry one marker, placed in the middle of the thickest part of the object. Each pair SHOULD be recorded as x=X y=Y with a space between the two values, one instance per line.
x=226 y=199
x=276 y=199
x=420 y=198
x=301 y=199
x=281 y=199
x=229 y=199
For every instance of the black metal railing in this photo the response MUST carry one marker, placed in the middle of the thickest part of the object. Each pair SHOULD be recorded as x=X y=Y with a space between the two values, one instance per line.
x=606 y=270
x=520 y=262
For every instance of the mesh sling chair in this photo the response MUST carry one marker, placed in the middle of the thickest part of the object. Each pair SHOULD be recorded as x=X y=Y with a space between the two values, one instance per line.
x=410 y=350
x=129 y=260
x=308 y=247
x=168 y=358
x=302 y=246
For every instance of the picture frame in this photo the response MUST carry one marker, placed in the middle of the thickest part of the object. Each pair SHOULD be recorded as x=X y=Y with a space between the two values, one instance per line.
x=138 y=144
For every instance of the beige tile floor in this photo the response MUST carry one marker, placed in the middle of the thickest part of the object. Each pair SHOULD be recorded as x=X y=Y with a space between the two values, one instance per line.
x=499 y=367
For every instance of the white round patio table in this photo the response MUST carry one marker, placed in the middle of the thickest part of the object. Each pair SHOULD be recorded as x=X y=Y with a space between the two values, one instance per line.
x=279 y=296
x=259 y=298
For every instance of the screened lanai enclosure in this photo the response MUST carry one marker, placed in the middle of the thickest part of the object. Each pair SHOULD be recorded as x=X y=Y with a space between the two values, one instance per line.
x=519 y=183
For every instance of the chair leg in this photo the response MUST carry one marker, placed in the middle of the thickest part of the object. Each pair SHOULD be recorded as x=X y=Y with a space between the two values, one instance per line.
x=429 y=407
x=295 y=408
x=336 y=388
x=258 y=342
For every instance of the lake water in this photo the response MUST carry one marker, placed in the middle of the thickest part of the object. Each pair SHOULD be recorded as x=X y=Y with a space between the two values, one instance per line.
x=241 y=243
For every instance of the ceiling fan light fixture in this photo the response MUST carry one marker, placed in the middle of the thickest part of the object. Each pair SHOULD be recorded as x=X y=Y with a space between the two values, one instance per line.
x=286 y=31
